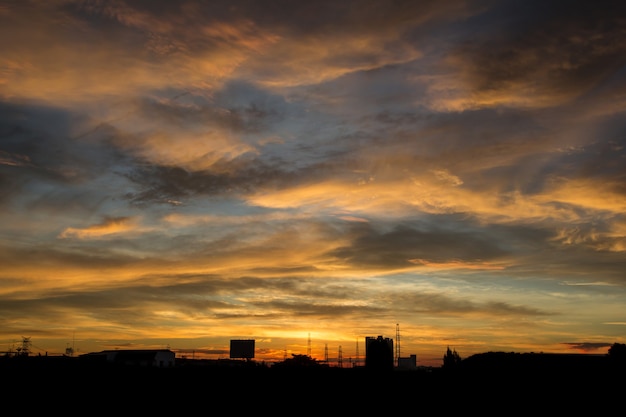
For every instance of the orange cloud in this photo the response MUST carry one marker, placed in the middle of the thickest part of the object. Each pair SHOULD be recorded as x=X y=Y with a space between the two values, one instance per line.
x=109 y=227
x=456 y=264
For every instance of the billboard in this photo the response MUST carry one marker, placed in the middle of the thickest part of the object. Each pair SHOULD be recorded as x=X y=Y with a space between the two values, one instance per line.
x=242 y=348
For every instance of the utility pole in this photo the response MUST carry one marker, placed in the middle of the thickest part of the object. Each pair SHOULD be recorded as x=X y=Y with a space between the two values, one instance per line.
x=397 y=344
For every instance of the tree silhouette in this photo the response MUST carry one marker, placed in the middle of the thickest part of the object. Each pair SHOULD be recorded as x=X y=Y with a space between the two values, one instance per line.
x=451 y=359
x=617 y=350
x=617 y=354
x=299 y=361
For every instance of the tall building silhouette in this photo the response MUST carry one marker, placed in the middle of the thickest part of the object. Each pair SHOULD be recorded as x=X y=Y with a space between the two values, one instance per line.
x=379 y=353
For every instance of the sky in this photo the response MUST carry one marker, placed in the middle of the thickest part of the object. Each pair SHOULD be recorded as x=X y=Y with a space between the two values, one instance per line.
x=179 y=174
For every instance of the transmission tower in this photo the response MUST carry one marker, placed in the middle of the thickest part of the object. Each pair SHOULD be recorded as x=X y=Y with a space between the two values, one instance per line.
x=397 y=344
x=24 y=350
x=357 y=352
x=340 y=358
x=326 y=353
x=308 y=346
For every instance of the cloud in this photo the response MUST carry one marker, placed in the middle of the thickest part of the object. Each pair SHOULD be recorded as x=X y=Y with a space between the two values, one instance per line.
x=542 y=58
x=109 y=226
x=588 y=346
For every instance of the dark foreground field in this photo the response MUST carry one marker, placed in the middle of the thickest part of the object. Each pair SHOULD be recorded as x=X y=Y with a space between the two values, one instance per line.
x=69 y=386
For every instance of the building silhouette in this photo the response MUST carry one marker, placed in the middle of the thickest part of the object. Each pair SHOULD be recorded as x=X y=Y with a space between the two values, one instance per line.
x=378 y=353
x=408 y=363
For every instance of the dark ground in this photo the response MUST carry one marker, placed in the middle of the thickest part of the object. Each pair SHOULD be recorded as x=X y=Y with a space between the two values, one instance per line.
x=502 y=388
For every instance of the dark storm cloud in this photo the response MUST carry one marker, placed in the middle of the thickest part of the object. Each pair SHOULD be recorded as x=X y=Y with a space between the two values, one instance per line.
x=124 y=303
x=589 y=259
x=237 y=107
x=64 y=255
x=303 y=308
x=161 y=183
x=39 y=135
x=205 y=298
x=556 y=48
x=441 y=304
x=396 y=248
x=38 y=149
x=603 y=159
x=302 y=18
x=480 y=146
x=252 y=109
x=168 y=23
